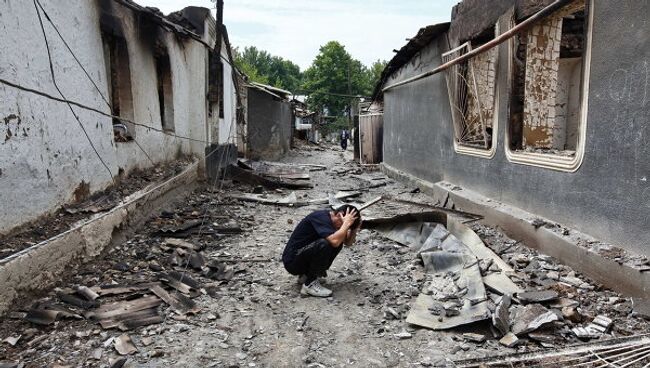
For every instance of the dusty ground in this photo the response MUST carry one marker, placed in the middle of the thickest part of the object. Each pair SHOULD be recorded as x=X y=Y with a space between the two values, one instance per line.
x=259 y=319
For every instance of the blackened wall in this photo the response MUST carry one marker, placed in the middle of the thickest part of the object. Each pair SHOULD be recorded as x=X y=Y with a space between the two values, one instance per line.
x=269 y=126
x=607 y=197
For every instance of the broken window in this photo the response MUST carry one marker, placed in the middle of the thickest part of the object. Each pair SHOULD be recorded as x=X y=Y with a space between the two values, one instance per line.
x=165 y=88
x=547 y=73
x=220 y=82
x=118 y=73
x=472 y=87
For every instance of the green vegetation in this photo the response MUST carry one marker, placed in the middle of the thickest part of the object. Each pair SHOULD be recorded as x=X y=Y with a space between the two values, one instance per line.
x=334 y=72
x=262 y=67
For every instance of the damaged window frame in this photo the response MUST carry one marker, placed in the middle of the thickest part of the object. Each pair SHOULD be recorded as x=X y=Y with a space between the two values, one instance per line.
x=119 y=81
x=489 y=151
x=165 y=85
x=550 y=160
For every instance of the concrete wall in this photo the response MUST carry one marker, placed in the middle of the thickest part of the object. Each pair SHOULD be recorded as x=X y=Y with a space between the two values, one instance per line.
x=607 y=197
x=228 y=124
x=269 y=125
x=44 y=155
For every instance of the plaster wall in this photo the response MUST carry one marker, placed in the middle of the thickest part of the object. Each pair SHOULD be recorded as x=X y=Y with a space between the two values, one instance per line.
x=607 y=197
x=44 y=154
x=269 y=125
x=228 y=124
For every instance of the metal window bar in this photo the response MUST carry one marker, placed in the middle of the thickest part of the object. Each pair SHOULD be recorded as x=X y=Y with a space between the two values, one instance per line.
x=633 y=351
x=469 y=128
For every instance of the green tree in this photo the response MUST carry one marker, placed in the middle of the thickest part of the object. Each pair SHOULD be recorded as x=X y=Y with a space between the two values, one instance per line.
x=374 y=73
x=334 y=71
x=262 y=67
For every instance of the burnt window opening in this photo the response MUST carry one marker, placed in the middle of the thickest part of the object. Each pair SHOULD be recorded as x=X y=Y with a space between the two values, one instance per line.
x=546 y=90
x=165 y=88
x=118 y=74
x=220 y=83
x=471 y=86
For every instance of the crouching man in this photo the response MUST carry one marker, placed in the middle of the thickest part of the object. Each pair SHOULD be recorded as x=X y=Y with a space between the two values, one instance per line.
x=315 y=243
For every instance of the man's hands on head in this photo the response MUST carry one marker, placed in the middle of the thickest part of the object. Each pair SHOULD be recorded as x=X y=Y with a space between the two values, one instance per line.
x=345 y=234
x=349 y=218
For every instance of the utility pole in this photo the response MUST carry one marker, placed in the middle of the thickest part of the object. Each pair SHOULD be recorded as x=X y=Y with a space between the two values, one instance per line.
x=351 y=99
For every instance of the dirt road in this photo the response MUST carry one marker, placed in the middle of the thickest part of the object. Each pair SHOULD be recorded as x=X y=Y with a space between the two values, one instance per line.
x=259 y=319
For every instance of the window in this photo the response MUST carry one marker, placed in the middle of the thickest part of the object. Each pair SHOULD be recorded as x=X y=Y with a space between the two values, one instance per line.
x=118 y=74
x=472 y=94
x=165 y=89
x=548 y=91
x=221 y=78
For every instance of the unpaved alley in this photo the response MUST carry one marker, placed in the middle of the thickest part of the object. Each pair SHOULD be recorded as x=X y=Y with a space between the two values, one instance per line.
x=247 y=310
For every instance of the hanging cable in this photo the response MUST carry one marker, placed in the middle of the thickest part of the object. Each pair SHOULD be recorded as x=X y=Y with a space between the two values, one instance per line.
x=87 y=74
x=49 y=56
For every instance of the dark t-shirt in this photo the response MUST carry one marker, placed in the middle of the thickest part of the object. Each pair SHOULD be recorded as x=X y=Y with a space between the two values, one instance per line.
x=317 y=225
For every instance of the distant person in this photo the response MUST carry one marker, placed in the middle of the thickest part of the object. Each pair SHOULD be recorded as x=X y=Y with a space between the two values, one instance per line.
x=344 y=139
x=315 y=243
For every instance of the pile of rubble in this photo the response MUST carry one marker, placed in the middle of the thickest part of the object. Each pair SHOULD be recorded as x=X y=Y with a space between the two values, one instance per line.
x=526 y=296
x=154 y=276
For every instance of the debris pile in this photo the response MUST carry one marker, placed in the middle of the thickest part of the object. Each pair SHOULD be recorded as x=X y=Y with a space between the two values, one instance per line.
x=468 y=282
x=148 y=279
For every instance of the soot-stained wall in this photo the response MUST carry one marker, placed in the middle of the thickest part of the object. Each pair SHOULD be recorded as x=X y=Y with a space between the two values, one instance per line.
x=269 y=125
x=44 y=155
x=607 y=197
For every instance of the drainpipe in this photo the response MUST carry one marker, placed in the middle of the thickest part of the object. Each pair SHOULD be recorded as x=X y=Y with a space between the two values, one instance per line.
x=519 y=28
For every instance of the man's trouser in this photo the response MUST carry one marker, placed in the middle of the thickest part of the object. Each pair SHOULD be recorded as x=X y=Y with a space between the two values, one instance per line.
x=313 y=260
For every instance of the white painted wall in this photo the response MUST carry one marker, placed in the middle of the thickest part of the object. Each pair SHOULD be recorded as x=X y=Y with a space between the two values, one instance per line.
x=228 y=124
x=47 y=155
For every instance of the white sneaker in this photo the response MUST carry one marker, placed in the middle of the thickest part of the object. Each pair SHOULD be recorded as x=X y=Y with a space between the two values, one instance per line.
x=315 y=289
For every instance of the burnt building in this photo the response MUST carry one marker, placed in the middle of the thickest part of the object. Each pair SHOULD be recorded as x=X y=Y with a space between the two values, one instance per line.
x=538 y=106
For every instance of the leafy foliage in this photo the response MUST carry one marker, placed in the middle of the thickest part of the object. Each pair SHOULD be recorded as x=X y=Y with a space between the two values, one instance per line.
x=262 y=67
x=334 y=71
x=374 y=72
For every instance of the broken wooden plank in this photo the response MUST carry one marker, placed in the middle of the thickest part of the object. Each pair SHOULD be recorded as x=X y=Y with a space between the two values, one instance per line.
x=178 y=302
x=290 y=200
x=250 y=177
x=181 y=244
x=130 y=324
x=112 y=310
x=106 y=290
x=370 y=203
x=133 y=318
x=181 y=282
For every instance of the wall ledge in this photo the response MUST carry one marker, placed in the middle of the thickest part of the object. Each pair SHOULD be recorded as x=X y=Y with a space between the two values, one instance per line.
x=39 y=266
x=518 y=224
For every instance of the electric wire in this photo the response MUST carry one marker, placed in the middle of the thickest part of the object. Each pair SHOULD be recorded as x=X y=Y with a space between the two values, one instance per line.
x=49 y=56
x=74 y=56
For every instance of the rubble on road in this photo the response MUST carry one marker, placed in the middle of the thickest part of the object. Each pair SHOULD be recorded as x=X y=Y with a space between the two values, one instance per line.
x=269 y=178
x=210 y=269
